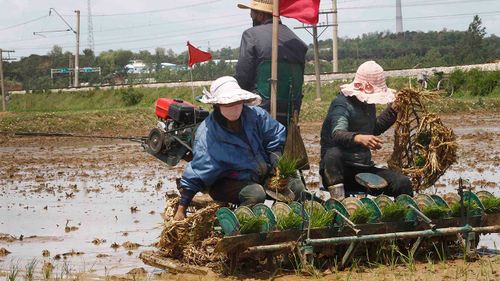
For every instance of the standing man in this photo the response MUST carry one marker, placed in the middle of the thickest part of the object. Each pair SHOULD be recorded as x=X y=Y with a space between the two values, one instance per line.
x=256 y=47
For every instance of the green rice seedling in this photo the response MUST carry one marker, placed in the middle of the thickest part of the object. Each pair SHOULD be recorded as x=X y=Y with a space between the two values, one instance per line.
x=250 y=224
x=470 y=209
x=435 y=212
x=361 y=215
x=394 y=212
x=419 y=160
x=491 y=205
x=30 y=269
x=290 y=221
x=13 y=272
x=320 y=218
x=287 y=167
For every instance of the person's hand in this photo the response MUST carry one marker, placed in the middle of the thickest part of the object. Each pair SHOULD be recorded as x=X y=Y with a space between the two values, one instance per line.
x=395 y=105
x=369 y=141
x=180 y=214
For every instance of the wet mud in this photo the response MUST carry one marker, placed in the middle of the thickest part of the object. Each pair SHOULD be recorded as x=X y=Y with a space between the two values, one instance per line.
x=96 y=204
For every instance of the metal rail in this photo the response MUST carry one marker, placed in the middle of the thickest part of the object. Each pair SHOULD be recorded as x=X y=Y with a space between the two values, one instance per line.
x=399 y=235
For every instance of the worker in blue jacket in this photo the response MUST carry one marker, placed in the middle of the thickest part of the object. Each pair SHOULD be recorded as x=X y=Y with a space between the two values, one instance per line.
x=235 y=150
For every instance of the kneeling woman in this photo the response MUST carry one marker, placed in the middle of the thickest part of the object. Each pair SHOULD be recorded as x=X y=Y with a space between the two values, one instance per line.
x=236 y=148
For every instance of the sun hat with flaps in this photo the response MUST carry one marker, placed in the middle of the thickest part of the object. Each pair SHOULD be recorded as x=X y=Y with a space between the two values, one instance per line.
x=225 y=90
x=265 y=6
x=369 y=85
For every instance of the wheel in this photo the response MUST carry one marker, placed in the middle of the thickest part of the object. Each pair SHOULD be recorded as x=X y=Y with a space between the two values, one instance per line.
x=155 y=140
x=446 y=85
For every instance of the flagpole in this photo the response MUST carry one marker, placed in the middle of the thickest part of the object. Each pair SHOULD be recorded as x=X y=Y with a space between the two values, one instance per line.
x=192 y=83
x=274 y=57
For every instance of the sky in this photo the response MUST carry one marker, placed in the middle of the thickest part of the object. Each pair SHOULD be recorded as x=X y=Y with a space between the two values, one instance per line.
x=27 y=28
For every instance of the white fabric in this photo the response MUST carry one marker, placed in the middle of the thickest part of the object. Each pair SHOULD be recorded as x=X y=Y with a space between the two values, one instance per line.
x=225 y=90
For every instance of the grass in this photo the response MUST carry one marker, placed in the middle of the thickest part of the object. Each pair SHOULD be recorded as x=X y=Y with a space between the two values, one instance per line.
x=361 y=215
x=436 y=212
x=470 y=208
x=290 y=221
x=394 y=212
x=30 y=270
x=491 y=205
x=320 y=218
x=107 y=110
x=250 y=224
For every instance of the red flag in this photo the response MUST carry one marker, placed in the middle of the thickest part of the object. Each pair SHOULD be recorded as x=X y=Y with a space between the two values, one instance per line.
x=196 y=55
x=305 y=11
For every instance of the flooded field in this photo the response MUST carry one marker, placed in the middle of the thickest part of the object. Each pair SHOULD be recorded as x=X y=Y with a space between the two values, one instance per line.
x=94 y=205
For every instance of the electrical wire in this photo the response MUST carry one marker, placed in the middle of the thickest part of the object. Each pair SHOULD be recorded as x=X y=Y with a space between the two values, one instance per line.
x=23 y=23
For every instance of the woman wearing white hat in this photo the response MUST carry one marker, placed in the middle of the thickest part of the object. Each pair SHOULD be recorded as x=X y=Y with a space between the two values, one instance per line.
x=235 y=149
x=350 y=131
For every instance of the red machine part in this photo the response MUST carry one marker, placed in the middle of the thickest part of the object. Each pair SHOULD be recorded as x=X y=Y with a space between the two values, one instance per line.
x=163 y=105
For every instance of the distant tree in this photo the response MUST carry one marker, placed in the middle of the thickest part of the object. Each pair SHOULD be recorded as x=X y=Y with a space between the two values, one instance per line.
x=473 y=42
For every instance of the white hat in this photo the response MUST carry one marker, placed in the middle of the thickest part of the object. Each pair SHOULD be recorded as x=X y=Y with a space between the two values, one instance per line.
x=369 y=85
x=225 y=90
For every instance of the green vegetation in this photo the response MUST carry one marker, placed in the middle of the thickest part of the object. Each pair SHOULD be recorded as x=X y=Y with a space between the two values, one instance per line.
x=394 y=212
x=392 y=51
x=361 y=215
x=491 y=205
x=250 y=224
x=435 y=212
x=320 y=217
x=287 y=168
x=470 y=209
x=290 y=221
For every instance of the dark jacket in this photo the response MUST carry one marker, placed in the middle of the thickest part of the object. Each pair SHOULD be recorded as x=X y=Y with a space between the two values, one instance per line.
x=256 y=46
x=347 y=117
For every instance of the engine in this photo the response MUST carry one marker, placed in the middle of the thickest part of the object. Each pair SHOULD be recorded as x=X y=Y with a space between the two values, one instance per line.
x=172 y=139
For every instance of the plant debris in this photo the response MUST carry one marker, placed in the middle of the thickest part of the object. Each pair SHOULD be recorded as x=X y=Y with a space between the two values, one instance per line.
x=424 y=148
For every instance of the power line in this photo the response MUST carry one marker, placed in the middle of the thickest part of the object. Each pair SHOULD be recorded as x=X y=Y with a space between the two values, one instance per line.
x=226 y=27
x=158 y=10
x=23 y=23
x=413 y=4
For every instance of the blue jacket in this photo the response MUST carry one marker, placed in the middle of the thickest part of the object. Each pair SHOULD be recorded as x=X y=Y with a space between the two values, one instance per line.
x=219 y=153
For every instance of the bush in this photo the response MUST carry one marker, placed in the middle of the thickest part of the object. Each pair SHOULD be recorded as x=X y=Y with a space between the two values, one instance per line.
x=130 y=96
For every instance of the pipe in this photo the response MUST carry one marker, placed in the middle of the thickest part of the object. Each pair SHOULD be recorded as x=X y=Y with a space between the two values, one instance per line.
x=348 y=221
x=422 y=216
x=271 y=248
x=399 y=235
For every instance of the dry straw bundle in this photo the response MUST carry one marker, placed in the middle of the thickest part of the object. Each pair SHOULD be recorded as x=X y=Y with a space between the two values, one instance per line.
x=424 y=148
x=191 y=240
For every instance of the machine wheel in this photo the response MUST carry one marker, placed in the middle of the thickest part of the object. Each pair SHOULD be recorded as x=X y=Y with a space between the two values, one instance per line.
x=155 y=140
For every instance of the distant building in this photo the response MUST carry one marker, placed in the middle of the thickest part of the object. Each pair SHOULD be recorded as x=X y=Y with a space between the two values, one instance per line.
x=136 y=66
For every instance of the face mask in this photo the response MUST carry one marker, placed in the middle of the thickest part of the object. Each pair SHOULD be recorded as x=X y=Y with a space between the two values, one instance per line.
x=231 y=113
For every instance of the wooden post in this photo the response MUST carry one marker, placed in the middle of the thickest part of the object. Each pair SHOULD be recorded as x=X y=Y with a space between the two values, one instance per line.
x=274 y=57
x=316 y=63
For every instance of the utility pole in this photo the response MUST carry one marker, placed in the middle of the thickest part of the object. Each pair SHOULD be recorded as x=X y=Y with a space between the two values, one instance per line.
x=77 y=53
x=399 y=17
x=316 y=63
x=2 y=86
x=334 y=24
x=335 y=45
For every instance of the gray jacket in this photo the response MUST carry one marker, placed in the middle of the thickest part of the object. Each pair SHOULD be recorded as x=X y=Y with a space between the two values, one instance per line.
x=347 y=117
x=256 y=46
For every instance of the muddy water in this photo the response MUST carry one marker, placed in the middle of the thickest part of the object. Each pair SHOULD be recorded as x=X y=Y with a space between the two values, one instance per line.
x=61 y=194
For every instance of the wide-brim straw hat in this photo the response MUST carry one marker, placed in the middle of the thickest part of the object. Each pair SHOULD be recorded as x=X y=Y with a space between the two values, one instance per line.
x=369 y=85
x=225 y=90
x=265 y=6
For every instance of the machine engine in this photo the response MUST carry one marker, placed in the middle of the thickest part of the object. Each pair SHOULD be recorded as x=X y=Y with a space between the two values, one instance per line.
x=173 y=137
